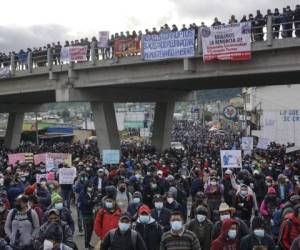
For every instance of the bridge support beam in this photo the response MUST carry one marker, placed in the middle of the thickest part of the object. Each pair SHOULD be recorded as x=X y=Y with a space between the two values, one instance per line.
x=14 y=130
x=105 y=125
x=162 y=127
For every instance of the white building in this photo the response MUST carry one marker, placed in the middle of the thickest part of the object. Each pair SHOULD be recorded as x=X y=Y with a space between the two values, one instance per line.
x=278 y=112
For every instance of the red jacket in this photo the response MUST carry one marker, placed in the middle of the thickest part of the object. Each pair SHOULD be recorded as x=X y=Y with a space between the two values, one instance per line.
x=223 y=242
x=290 y=230
x=105 y=221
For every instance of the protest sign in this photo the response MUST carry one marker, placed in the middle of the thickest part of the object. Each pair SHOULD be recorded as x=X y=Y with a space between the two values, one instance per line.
x=247 y=143
x=52 y=160
x=227 y=42
x=75 y=53
x=67 y=175
x=103 y=39
x=49 y=177
x=177 y=44
x=127 y=47
x=4 y=72
x=231 y=158
x=111 y=156
x=14 y=158
x=263 y=143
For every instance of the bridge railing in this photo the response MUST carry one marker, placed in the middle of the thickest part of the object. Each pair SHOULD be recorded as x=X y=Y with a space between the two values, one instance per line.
x=49 y=58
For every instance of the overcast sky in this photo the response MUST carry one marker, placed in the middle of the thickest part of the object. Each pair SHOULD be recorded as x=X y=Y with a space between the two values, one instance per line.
x=36 y=22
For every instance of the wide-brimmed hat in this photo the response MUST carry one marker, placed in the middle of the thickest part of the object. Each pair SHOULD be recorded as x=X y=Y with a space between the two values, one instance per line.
x=224 y=207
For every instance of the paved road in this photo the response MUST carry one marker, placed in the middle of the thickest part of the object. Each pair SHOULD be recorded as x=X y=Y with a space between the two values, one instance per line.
x=79 y=240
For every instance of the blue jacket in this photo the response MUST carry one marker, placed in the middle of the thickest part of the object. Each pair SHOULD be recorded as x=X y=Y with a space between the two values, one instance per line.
x=13 y=192
x=197 y=185
x=44 y=197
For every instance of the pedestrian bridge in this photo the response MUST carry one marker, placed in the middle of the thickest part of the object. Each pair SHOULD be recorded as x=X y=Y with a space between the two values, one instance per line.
x=131 y=79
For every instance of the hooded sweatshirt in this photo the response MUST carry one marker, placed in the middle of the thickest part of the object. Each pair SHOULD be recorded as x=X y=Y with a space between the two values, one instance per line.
x=223 y=242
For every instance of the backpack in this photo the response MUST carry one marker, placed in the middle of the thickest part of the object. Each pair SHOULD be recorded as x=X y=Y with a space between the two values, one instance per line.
x=285 y=222
x=29 y=216
x=133 y=237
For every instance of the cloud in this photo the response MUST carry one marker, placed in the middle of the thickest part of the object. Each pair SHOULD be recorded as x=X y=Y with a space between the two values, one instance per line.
x=17 y=37
x=207 y=10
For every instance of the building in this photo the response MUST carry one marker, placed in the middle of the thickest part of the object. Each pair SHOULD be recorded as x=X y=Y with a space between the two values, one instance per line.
x=275 y=112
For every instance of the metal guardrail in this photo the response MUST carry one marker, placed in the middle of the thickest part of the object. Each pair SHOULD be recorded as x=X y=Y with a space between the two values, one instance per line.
x=267 y=33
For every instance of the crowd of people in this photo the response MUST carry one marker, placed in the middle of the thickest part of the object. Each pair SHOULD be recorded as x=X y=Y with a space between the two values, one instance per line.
x=178 y=199
x=285 y=24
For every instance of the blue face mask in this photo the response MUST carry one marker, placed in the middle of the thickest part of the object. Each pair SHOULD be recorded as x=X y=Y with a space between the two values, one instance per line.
x=59 y=206
x=176 y=225
x=144 y=219
x=124 y=226
x=136 y=200
x=232 y=234
x=108 y=205
x=259 y=233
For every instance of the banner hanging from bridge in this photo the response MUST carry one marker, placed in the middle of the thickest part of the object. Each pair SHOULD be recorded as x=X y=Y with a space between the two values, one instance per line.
x=177 y=44
x=76 y=53
x=127 y=46
x=103 y=39
x=227 y=42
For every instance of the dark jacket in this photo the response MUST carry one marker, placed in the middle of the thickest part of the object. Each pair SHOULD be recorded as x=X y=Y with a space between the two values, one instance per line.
x=162 y=217
x=203 y=231
x=197 y=185
x=13 y=192
x=122 y=242
x=151 y=233
x=39 y=237
x=249 y=241
x=65 y=215
x=86 y=203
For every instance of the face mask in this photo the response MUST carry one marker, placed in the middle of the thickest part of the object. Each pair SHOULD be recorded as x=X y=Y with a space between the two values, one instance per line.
x=213 y=183
x=153 y=186
x=123 y=226
x=43 y=183
x=138 y=176
x=148 y=173
x=201 y=218
x=1 y=182
x=243 y=193
x=43 y=170
x=224 y=216
x=232 y=234
x=109 y=205
x=158 y=205
x=136 y=200
x=176 y=225
x=241 y=181
x=90 y=189
x=59 y=206
x=48 y=245
x=23 y=179
x=144 y=218
x=259 y=233
x=170 y=200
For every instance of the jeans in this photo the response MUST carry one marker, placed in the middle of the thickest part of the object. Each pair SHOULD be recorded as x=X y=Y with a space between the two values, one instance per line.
x=66 y=195
x=79 y=219
x=88 y=222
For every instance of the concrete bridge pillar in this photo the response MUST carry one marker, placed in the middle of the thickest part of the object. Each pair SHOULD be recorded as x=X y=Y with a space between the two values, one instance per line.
x=106 y=125
x=162 y=127
x=14 y=130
